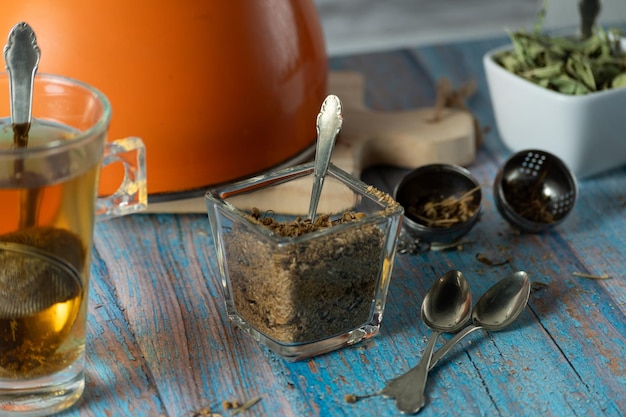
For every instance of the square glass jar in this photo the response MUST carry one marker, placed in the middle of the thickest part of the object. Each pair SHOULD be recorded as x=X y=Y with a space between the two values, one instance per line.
x=309 y=294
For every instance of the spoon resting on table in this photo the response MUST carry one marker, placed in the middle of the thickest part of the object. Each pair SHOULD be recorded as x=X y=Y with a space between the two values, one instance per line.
x=446 y=308
x=497 y=308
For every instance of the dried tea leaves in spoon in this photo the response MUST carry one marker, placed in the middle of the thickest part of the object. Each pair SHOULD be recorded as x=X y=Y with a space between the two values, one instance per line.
x=441 y=211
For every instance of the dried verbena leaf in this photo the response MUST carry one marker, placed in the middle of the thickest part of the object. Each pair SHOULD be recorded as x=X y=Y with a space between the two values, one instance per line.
x=562 y=46
x=511 y=63
x=606 y=72
x=589 y=276
x=614 y=35
x=485 y=260
x=544 y=83
x=579 y=68
x=546 y=72
x=567 y=85
x=245 y=406
x=540 y=17
x=537 y=286
x=619 y=81
x=522 y=52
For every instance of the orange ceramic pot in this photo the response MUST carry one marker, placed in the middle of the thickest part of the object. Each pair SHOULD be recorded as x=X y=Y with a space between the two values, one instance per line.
x=218 y=90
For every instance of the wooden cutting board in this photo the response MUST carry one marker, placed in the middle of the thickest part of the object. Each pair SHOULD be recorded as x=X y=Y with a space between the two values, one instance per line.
x=406 y=139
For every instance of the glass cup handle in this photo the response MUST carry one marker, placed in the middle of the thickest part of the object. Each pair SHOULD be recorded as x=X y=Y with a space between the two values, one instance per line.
x=132 y=194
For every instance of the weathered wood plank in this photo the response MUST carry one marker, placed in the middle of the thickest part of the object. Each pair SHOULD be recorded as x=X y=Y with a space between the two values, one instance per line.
x=118 y=380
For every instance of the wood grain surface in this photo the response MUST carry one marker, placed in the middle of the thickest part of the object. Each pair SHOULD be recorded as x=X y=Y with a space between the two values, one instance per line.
x=159 y=343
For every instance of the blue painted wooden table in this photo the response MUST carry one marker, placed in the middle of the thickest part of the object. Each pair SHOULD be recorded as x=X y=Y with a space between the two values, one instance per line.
x=159 y=344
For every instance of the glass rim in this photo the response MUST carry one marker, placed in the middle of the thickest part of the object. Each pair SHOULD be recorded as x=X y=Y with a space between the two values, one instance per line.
x=215 y=201
x=100 y=125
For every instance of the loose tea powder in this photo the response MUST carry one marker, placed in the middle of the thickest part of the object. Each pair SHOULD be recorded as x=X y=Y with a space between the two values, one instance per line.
x=305 y=290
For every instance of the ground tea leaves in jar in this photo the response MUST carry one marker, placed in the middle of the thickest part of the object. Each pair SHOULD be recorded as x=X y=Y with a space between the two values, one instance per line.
x=310 y=289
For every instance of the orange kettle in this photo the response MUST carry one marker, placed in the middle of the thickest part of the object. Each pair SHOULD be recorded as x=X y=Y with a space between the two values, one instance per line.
x=218 y=90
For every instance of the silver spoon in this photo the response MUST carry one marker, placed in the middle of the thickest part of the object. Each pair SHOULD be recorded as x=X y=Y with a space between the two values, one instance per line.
x=446 y=308
x=498 y=307
x=329 y=121
x=21 y=55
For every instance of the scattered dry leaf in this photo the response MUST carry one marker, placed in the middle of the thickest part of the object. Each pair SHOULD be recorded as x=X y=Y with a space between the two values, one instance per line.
x=537 y=286
x=351 y=398
x=589 y=276
x=245 y=406
x=483 y=259
x=445 y=211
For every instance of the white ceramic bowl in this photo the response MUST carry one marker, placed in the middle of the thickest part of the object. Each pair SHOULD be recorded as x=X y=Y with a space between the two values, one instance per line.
x=588 y=132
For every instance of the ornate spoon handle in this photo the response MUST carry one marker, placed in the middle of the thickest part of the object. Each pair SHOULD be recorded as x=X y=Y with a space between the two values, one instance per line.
x=402 y=385
x=443 y=350
x=21 y=55
x=408 y=389
x=329 y=121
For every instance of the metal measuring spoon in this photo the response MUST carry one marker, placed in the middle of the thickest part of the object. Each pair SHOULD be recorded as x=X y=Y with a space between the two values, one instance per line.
x=498 y=307
x=446 y=308
x=329 y=121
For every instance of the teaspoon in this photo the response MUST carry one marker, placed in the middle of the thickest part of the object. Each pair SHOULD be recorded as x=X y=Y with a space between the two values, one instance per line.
x=446 y=308
x=21 y=55
x=495 y=309
x=329 y=121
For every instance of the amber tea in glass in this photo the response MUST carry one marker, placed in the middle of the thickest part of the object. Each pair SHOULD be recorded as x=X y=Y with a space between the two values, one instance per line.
x=48 y=207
